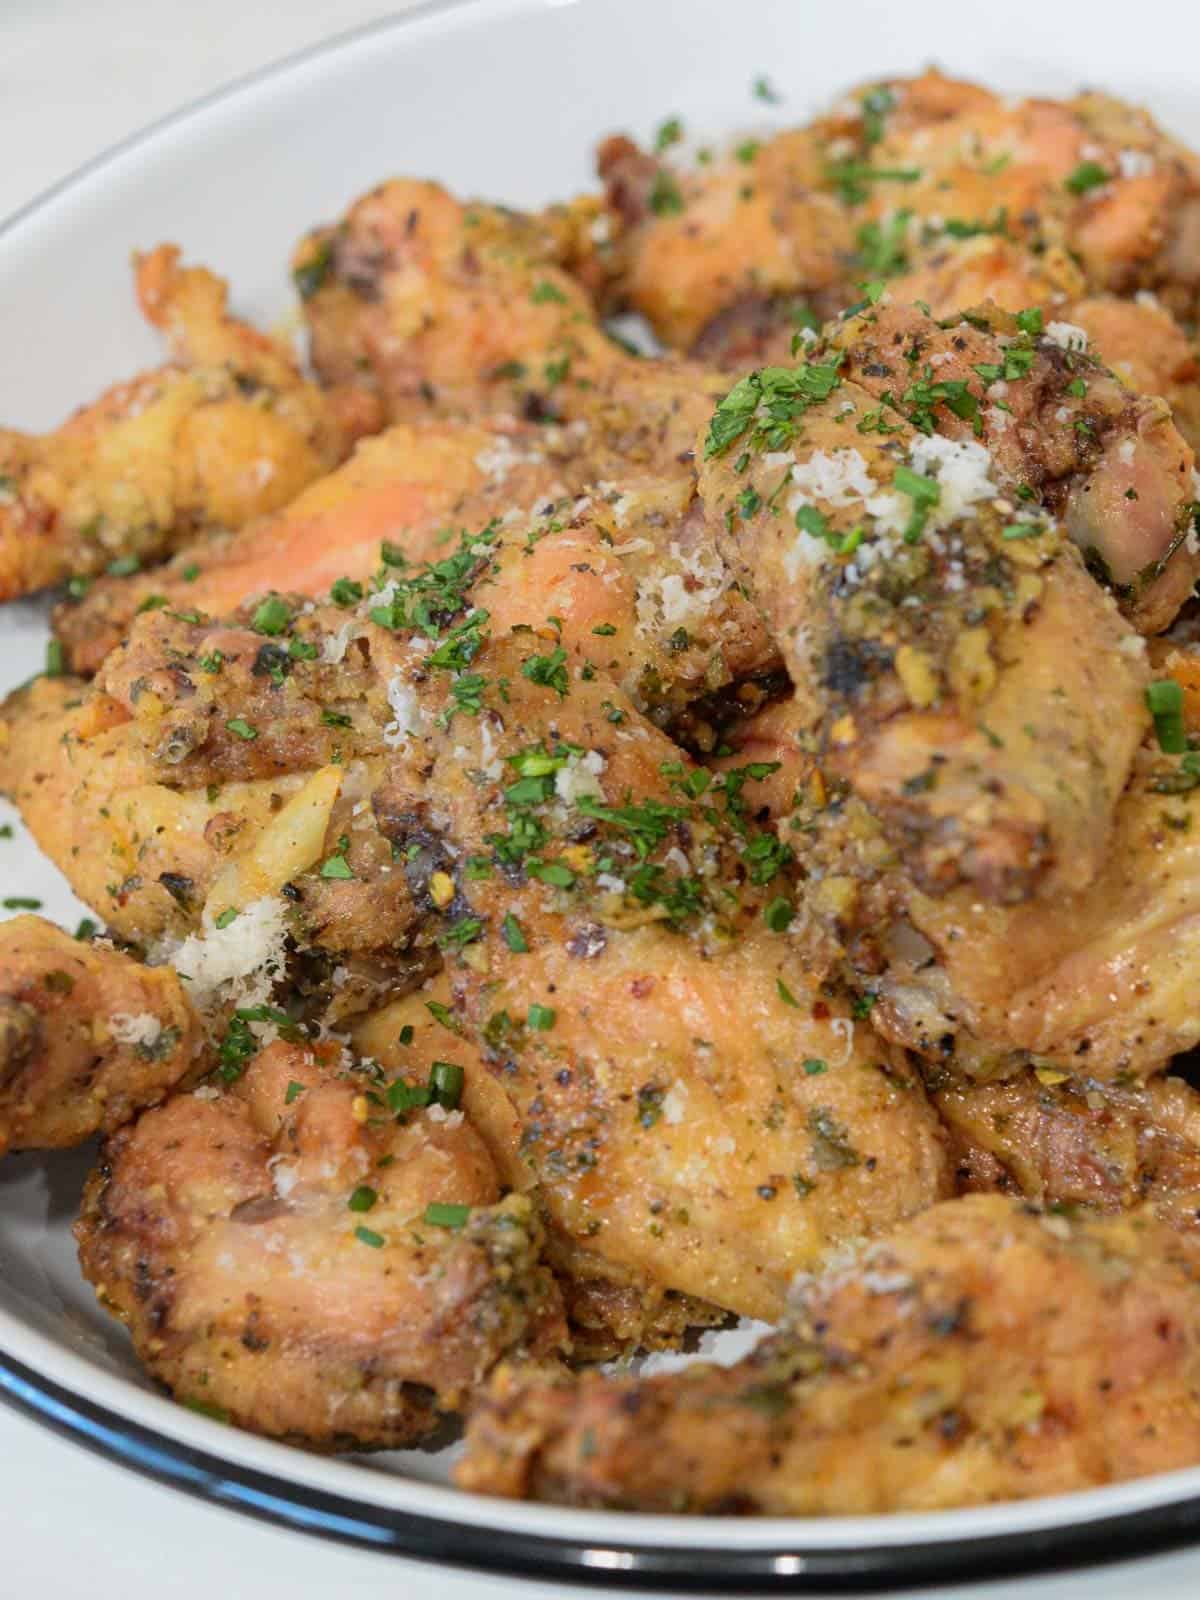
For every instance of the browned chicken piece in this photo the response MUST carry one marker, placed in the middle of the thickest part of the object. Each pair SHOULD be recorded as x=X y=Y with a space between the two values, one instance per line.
x=907 y=170
x=220 y=864
x=298 y=1258
x=750 y=230
x=981 y=1352
x=957 y=668
x=695 y=1107
x=1097 y=981
x=610 y=1310
x=1058 y=426
x=88 y=1036
x=442 y=308
x=1076 y=1142
x=228 y=431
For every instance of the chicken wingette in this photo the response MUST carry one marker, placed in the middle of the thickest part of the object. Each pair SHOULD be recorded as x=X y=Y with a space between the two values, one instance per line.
x=227 y=431
x=982 y=1351
x=88 y=1036
x=294 y=1255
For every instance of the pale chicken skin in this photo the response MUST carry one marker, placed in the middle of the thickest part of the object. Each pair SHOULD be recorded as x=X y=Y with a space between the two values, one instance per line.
x=88 y=1036
x=297 y=1258
x=228 y=431
x=982 y=1352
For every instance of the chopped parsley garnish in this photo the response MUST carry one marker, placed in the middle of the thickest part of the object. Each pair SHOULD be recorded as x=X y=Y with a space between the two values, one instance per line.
x=924 y=494
x=227 y=917
x=772 y=399
x=514 y=936
x=548 y=671
x=546 y=293
x=541 y=1018
x=312 y=273
x=785 y=994
x=87 y=930
x=665 y=197
x=363 y=1198
x=21 y=902
x=370 y=1237
x=763 y=90
x=294 y=1091
x=813 y=1065
x=272 y=615
x=1031 y=321
x=440 y=1215
x=1164 y=699
x=883 y=246
x=853 y=178
x=778 y=914
x=669 y=132
x=1087 y=175
x=56 y=659
x=446 y=1083
x=241 y=729
x=346 y=592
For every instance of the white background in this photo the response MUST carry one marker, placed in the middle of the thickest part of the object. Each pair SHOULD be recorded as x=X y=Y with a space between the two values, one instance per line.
x=76 y=76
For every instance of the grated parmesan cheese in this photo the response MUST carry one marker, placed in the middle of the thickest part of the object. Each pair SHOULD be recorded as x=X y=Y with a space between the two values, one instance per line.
x=580 y=777
x=139 y=1028
x=1067 y=335
x=403 y=700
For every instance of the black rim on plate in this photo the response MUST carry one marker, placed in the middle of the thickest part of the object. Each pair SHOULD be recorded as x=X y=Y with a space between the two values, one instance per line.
x=697 y=1567
x=793 y=1568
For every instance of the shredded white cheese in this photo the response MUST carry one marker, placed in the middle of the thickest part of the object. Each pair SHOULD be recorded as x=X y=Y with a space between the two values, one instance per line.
x=580 y=777
x=404 y=702
x=1067 y=335
x=141 y=1027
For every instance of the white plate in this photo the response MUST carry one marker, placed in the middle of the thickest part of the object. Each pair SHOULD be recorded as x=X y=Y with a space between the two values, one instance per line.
x=503 y=98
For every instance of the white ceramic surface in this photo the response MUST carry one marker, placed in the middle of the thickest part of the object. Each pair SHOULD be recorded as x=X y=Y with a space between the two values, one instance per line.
x=503 y=98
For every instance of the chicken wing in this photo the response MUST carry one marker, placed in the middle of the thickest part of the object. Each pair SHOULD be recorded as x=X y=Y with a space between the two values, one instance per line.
x=958 y=668
x=982 y=1351
x=292 y=1256
x=88 y=1036
x=228 y=431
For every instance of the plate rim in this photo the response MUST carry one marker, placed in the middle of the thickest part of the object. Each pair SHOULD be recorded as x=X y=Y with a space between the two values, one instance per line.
x=1091 y=1536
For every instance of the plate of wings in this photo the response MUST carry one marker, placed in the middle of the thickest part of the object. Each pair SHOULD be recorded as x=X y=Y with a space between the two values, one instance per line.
x=598 y=909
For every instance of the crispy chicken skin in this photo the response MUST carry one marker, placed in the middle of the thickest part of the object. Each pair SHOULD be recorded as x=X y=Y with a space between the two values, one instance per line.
x=611 y=1310
x=271 y=1252
x=724 y=1123
x=226 y=432
x=924 y=639
x=1098 y=982
x=981 y=1352
x=447 y=309
x=1076 y=1142
x=88 y=1036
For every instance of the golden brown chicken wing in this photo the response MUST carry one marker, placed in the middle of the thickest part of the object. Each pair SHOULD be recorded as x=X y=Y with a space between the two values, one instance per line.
x=88 y=1036
x=296 y=1257
x=229 y=430
x=983 y=1351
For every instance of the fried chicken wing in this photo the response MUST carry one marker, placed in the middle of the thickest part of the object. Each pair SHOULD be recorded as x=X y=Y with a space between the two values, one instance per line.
x=728 y=1124
x=88 y=1036
x=293 y=1257
x=957 y=667
x=980 y=1352
x=228 y=431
